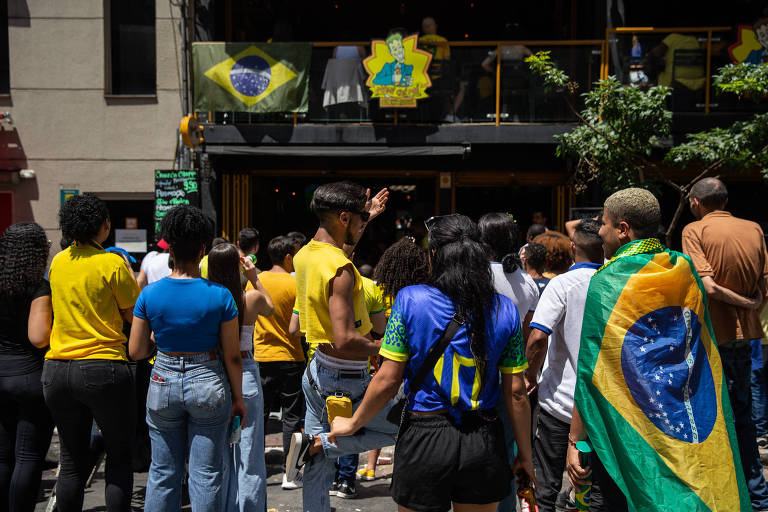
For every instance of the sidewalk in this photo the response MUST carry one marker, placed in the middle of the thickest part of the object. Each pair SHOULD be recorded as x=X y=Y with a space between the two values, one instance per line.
x=372 y=496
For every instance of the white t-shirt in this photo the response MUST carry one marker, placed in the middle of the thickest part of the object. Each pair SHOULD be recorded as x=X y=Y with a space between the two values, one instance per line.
x=155 y=266
x=560 y=313
x=518 y=286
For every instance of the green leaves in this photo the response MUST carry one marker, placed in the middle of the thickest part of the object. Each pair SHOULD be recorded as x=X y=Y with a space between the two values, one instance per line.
x=619 y=128
x=745 y=79
x=741 y=146
x=622 y=125
x=541 y=64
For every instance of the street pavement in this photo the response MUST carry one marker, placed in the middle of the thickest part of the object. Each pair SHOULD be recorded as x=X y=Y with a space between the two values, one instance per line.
x=372 y=496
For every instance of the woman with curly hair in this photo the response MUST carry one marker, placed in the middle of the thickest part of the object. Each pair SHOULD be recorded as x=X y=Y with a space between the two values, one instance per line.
x=558 y=247
x=25 y=327
x=86 y=375
x=247 y=475
x=191 y=400
x=403 y=264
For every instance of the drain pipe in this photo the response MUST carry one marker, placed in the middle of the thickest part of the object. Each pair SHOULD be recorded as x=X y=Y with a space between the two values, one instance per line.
x=185 y=161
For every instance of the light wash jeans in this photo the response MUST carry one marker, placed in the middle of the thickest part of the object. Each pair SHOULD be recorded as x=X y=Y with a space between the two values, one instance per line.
x=188 y=406
x=246 y=471
x=321 y=469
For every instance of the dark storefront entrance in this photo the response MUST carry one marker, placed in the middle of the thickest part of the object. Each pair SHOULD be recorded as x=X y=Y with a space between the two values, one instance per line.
x=278 y=202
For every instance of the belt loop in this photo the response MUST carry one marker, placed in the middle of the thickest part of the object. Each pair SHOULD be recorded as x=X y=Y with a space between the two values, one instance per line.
x=212 y=355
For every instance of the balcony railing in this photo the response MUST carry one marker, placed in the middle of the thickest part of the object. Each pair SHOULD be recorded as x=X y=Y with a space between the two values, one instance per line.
x=684 y=58
x=489 y=82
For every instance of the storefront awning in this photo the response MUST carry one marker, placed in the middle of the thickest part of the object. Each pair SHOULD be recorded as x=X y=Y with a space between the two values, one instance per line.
x=339 y=151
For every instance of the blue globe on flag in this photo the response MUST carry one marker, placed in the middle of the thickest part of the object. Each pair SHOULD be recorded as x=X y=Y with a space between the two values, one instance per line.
x=250 y=75
x=661 y=359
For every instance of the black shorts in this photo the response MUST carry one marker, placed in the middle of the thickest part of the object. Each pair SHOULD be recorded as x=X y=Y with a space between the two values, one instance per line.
x=437 y=462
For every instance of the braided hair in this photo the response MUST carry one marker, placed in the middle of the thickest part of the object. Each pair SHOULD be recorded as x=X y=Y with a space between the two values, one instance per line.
x=23 y=256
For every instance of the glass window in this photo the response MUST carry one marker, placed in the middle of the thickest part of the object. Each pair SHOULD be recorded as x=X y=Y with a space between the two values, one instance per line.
x=131 y=41
x=5 y=74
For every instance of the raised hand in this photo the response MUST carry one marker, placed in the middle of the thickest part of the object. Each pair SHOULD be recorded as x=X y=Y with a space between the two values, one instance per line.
x=377 y=204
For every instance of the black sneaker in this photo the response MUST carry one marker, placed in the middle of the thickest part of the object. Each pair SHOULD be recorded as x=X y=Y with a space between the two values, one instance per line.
x=334 y=488
x=298 y=454
x=346 y=490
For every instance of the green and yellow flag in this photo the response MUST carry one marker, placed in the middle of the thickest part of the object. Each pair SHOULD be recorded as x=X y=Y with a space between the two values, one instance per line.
x=270 y=77
x=651 y=389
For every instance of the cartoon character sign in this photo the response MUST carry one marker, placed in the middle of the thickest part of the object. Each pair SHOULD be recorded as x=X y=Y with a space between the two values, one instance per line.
x=752 y=46
x=397 y=71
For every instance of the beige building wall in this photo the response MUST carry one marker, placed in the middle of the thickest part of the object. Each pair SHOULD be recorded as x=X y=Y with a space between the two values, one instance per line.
x=65 y=127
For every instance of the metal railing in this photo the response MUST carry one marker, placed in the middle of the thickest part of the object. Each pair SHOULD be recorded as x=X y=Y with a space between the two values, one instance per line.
x=482 y=82
x=487 y=82
x=695 y=42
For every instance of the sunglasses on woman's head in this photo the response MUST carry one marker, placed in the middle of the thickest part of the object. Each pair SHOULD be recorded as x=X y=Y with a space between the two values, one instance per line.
x=430 y=222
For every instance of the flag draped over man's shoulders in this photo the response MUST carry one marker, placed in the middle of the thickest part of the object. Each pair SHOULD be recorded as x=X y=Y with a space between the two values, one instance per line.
x=650 y=385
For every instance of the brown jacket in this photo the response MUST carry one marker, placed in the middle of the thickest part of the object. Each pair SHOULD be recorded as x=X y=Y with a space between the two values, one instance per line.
x=731 y=251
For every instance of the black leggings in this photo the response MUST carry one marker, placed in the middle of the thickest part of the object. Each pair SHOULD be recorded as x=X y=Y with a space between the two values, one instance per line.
x=25 y=435
x=77 y=393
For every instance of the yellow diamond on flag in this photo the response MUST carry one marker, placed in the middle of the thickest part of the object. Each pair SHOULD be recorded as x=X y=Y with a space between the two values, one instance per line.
x=251 y=75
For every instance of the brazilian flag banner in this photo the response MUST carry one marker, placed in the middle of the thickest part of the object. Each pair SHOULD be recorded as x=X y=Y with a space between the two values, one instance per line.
x=650 y=385
x=249 y=77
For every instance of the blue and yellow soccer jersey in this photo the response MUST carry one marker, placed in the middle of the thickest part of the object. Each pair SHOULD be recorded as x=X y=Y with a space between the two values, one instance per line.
x=420 y=314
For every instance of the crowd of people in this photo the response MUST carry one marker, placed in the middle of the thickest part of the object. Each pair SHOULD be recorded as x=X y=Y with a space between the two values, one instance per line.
x=489 y=366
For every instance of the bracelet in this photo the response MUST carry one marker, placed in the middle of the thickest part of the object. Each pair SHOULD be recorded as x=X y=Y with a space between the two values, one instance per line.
x=571 y=441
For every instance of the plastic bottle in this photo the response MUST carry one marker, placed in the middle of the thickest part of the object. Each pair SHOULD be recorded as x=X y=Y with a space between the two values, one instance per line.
x=582 y=492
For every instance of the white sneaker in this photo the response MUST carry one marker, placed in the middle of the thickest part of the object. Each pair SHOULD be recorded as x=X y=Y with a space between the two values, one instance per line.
x=296 y=484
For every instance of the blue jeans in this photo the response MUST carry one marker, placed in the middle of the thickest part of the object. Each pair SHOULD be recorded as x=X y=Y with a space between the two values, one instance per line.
x=321 y=469
x=345 y=468
x=508 y=504
x=736 y=366
x=247 y=472
x=188 y=407
x=759 y=387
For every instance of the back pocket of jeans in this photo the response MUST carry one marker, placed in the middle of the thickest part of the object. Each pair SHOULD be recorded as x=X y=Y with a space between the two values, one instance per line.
x=97 y=375
x=158 y=394
x=209 y=393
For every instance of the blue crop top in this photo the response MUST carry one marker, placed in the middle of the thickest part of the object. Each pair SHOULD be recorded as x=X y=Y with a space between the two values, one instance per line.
x=185 y=314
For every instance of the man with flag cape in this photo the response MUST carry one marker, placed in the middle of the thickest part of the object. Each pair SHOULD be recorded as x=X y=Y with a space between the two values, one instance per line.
x=650 y=393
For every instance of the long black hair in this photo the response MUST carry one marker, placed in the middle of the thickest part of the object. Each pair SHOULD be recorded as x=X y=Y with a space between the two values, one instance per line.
x=23 y=255
x=403 y=264
x=501 y=236
x=224 y=268
x=460 y=270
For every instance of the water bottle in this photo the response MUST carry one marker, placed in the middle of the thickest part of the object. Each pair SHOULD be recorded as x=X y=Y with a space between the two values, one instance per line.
x=582 y=492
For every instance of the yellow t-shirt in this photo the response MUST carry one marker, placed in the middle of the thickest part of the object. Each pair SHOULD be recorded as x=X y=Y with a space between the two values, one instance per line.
x=204 y=267
x=690 y=76
x=89 y=287
x=440 y=52
x=316 y=264
x=271 y=341
x=374 y=299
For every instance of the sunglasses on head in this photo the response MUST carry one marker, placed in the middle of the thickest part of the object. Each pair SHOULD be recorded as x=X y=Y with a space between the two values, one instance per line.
x=430 y=222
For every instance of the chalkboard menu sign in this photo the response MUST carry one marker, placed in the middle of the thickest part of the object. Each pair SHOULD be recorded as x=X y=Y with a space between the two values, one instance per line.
x=173 y=188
